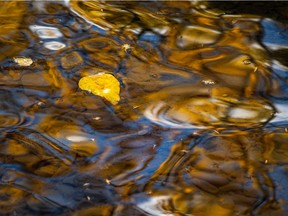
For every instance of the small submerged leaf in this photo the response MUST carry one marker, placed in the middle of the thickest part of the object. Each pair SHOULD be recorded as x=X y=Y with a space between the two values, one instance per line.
x=103 y=85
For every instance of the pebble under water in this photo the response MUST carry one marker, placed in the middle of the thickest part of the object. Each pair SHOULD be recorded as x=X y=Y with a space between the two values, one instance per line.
x=143 y=108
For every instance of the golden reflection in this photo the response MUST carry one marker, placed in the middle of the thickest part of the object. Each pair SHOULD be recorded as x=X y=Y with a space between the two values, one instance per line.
x=276 y=149
x=12 y=40
x=15 y=148
x=122 y=167
x=11 y=14
x=10 y=198
x=84 y=148
x=200 y=107
x=107 y=16
x=49 y=168
x=56 y=125
x=192 y=36
x=191 y=135
x=228 y=172
x=104 y=209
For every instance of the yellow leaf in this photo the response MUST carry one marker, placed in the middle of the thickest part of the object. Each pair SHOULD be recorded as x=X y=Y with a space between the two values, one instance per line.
x=102 y=84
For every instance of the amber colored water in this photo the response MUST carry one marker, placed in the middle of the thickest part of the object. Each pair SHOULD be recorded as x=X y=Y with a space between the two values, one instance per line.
x=200 y=128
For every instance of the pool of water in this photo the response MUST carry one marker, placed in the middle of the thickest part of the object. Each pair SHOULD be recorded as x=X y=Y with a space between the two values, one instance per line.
x=143 y=108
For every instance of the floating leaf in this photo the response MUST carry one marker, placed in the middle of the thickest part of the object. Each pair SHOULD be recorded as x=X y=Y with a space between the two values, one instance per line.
x=102 y=84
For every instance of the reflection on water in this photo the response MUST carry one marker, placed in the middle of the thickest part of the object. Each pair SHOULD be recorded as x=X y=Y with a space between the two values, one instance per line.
x=200 y=107
x=199 y=128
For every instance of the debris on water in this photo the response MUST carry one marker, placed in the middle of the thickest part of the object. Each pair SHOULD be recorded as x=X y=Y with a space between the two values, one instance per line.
x=247 y=61
x=103 y=85
x=23 y=61
x=40 y=104
x=208 y=82
x=126 y=47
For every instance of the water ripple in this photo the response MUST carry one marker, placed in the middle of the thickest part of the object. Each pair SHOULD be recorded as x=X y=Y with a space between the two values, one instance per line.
x=201 y=111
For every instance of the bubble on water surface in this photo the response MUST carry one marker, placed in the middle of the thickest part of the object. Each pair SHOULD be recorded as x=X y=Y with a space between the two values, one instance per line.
x=242 y=113
x=54 y=45
x=46 y=32
x=76 y=138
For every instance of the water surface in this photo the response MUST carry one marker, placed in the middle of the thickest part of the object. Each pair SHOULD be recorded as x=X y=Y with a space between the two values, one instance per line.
x=199 y=126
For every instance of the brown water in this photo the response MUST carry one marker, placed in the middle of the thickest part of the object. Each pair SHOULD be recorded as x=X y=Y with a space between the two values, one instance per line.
x=201 y=124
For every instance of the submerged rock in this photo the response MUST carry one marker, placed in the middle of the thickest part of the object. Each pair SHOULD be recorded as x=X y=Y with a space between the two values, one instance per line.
x=71 y=60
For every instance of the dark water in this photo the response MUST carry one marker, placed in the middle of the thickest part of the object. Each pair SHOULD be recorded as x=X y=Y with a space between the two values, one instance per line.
x=186 y=113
